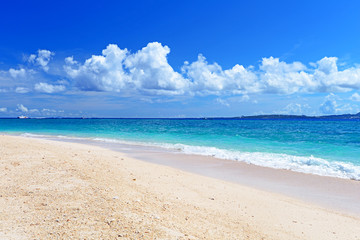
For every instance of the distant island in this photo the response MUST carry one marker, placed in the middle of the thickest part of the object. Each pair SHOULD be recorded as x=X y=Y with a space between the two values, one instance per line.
x=280 y=116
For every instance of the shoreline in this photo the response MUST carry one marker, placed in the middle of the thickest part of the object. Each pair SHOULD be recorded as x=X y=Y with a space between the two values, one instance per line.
x=339 y=194
x=59 y=189
x=307 y=164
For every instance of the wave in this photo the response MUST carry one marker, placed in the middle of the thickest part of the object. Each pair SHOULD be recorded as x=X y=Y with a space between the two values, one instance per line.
x=304 y=164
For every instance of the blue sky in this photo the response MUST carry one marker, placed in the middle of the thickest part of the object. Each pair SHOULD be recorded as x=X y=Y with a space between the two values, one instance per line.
x=179 y=58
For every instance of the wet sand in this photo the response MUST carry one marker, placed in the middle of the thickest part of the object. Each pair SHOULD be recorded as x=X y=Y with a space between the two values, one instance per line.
x=330 y=192
x=60 y=190
x=340 y=194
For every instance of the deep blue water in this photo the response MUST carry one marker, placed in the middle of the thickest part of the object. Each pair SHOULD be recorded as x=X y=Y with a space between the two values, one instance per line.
x=320 y=147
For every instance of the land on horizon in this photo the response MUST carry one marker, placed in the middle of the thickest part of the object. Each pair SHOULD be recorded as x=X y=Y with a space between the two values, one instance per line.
x=255 y=117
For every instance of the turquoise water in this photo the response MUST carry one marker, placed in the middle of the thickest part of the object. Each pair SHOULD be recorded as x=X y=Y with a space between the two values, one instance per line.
x=329 y=148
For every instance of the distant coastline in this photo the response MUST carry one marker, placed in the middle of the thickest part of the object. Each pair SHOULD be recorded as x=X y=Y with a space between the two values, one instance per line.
x=280 y=116
x=251 y=117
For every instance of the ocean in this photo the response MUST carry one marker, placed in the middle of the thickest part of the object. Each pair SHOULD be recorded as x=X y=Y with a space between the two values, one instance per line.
x=326 y=147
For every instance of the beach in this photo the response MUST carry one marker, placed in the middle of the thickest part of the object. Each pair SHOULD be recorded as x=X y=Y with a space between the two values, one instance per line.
x=61 y=190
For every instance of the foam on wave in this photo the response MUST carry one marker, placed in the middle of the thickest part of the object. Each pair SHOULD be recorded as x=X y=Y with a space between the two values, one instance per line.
x=302 y=164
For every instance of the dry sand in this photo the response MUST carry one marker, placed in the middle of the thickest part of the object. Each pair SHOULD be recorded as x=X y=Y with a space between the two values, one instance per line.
x=58 y=190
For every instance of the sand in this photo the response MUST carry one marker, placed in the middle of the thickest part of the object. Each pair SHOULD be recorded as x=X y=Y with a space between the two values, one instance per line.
x=59 y=190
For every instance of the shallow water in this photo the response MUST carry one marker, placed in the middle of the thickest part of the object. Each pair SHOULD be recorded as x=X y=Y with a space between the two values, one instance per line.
x=330 y=148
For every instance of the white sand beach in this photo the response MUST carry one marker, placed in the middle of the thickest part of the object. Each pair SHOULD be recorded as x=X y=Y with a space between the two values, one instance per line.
x=60 y=190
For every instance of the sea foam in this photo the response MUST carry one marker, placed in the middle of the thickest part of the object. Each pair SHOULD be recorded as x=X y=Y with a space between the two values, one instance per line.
x=304 y=164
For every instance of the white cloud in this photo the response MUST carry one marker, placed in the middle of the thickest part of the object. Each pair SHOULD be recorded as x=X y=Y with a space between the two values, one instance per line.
x=276 y=76
x=42 y=58
x=244 y=98
x=22 y=108
x=70 y=61
x=296 y=109
x=116 y=70
x=333 y=104
x=14 y=73
x=211 y=79
x=22 y=90
x=206 y=77
x=327 y=65
x=33 y=110
x=3 y=109
x=347 y=108
x=355 y=97
x=48 y=88
x=100 y=72
x=331 y=79
x=62 y=82
x=149 y=71
x=48 y=110
x=328 y=107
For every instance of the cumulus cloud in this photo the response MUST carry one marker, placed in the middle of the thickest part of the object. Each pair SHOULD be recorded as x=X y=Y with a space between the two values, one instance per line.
x=48 y=88
x=42 y=58
x=276 y=76
x=70 y=61
x=100 y=72
x=328 y=107
x=117 y=70
x=355 y=97
x=296 y=109
x=148 y=71
x=17 y=73
x=22 y=108
x=208 y=78
x=3 y=109
x=333 y=104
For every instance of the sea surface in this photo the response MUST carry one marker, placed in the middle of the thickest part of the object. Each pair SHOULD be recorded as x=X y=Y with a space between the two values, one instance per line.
x=328 y=148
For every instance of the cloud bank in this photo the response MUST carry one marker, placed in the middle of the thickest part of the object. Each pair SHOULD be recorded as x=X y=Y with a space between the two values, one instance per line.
x=148 y=70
